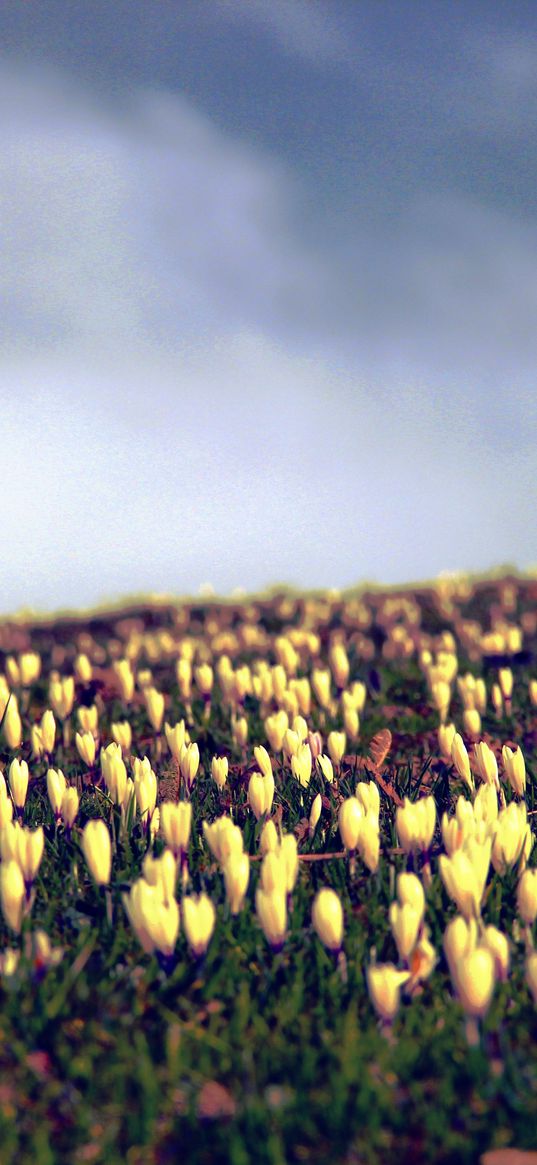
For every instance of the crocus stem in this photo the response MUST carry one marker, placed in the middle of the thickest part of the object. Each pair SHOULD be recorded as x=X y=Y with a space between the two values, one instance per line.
x=472 y=1031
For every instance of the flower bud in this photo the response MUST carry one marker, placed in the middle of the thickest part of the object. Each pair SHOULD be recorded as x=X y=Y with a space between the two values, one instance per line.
x=154 y=703
x=289 y=854
x=339 y=664
x=122 y=734
x=496 y=942
x=461 y=760
x=497 y=699
x=36 y=740
x=327 y=918
x=199 y=917
x=155 y=921
x=29 y=852
x=405 y=922
x=512 y=838
x=263 y=760
x=410 y=891
x=505 y=680
x=515 y=768
x=301 y=765
x=48 y=731
x=464 y=878
x=6 y=810
x=460 y=937
x=384 y=982
x=315 y=742
x=275 y=728
x=321 y=684
x=273 y=875
x=336 y=744
x=369 y=842
x=12 y=893
x=415 y=822
x=239 y=731
x=325 y=765
x=367 y=793
x=223 y=838
x=475 y=981
x=12 y=724
x=88 y=719
x=161 y=872
x=189 y=763
x=62 y=696
x=526 y=896
x=236 y=878
x=441 y=694
x=125 y=679
x=486 y=764
x=268 y=838
x=271 y=911
x=145 y=790
x=176 y=822
x=83 y=669
x=18 y=777
x=446 y=736
x=315 y=813
x=472 y=722
x=260 y=794
x=351 y=723
x=219 y=770
x=69 y=806
x=350 y=821
x=85 y=744
x=176 y=738
x=97 y=850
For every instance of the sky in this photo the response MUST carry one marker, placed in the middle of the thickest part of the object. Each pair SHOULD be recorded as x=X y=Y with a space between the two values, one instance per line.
x=268 y=280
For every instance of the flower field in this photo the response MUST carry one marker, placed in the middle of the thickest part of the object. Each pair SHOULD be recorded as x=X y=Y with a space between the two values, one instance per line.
x=268 y=883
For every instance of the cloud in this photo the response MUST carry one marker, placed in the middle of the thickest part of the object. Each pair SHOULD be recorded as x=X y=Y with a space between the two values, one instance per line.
x=306 y=29
x=490 y=92
x=190 y=391
x=241 y=464
x=139 y=221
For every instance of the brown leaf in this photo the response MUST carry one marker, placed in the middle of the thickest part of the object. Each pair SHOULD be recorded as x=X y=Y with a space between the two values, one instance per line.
x=277 y=816
x=170 y=784
x=301 y=829
x=215 y=1101
x=40 y=1063
x=380 y=747
x=508 y=1157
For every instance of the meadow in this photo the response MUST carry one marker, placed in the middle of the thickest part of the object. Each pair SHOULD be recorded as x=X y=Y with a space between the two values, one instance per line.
x=268 y=885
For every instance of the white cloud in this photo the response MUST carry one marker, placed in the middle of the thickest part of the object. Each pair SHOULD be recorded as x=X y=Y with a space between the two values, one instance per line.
x=188 y=474
x=144 y=220
x=491 y=91
x=307 y=29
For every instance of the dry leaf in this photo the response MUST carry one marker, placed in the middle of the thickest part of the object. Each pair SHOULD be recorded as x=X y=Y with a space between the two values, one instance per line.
x=380 y=747
x=508 y=1157
x=301 y=829
x=215 y=1101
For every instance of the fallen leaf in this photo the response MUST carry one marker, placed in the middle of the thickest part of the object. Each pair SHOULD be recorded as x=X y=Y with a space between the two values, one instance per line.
x=301 y=830
x=380 y=747
x=215 y=1101
x=508 y=1157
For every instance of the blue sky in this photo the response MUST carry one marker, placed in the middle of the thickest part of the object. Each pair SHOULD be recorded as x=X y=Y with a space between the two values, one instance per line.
x=269 y=294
